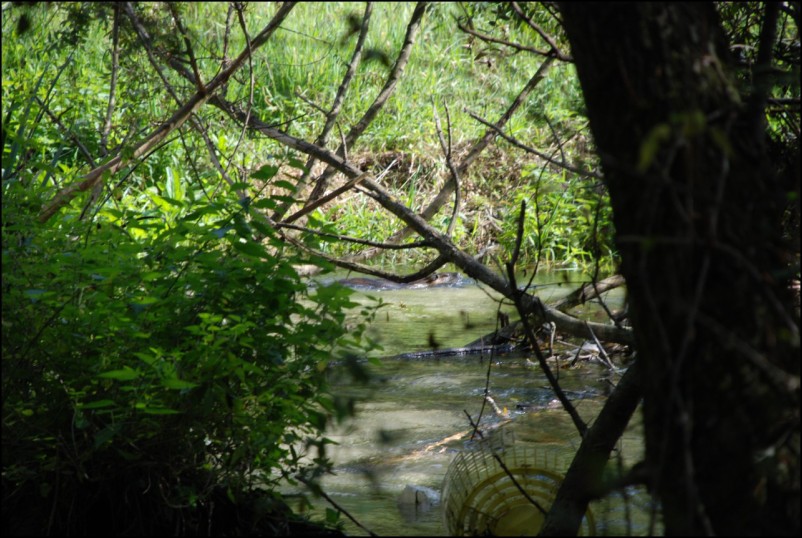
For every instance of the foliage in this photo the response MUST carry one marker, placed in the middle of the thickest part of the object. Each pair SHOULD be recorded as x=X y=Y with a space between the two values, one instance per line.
x=185 y=361
x=568 y=223
x=161 y=356
x=158 y=343
x=306 y=60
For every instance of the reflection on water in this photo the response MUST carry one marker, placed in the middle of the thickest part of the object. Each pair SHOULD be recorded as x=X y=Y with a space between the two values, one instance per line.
x=412 y=418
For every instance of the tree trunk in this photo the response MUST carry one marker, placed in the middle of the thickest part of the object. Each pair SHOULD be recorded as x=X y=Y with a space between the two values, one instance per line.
x=698 y=197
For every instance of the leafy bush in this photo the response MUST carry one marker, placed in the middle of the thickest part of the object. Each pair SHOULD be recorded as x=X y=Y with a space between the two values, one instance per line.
x=144 y=374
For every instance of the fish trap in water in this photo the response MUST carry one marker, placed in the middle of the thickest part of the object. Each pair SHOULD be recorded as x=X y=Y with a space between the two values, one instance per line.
x=480 y=497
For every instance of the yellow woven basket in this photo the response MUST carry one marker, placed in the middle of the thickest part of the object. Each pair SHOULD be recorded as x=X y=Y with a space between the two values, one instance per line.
x=480 y=498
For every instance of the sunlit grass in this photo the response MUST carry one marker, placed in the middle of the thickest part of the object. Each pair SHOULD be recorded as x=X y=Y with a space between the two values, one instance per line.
x=297 y=73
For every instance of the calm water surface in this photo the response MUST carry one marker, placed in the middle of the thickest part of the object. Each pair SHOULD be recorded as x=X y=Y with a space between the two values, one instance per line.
x=412 y=417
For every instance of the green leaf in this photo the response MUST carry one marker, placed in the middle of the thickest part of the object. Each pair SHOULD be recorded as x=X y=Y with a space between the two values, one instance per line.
x=155 y=410
x=332 y=516
x=264 y=203
x=262 y=228
x=147 y=358
x=164 y=202
x=126 y=374
x=178 y=384
x=282 y=184
x=266 y=172
x=174 y=188
x=98 y=404
x=142 y=301
x=150 y=276
x=106 y=434
x=251 y=249
x=651 y=145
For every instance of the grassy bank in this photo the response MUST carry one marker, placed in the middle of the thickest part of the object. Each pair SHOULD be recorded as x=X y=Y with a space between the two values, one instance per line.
x=296 y=78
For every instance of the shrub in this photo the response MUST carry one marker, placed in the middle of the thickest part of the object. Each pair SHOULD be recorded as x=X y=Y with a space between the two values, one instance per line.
x=148 y=375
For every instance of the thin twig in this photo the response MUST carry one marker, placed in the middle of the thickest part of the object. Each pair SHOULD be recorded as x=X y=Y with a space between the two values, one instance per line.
x=517 y=46
x=378 y=103
x=151 y=53
x=251 y=82
x=192 y=61
x=475 y=426
x=331 y=116
x=115 y=67
x=546 y=37
x=602 y=352
x=55 y=119
x=447 y=153
x=365 y=242
x=442 y=197
x=65 y=195
x=530 y=333
x=337 y=506
x=333 y=194
x=542 y=155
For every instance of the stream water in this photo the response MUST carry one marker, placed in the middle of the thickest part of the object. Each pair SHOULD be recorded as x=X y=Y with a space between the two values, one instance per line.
x=412 y=420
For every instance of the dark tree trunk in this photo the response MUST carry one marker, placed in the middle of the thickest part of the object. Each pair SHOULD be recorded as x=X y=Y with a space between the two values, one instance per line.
x=698 y=196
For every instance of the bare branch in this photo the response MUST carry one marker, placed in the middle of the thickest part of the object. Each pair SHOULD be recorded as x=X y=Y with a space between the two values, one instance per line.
x=365 y=242
x=115 y=67
x=333 y=194
x=585 y=293
x=571 y=501
x=429 y=234
x=55 y=119
x=442 y=197
x=251 y=82
x=65 y=195
x=192 y=61
x=331 y=115
x=528 y=149
x=395 y=75
x=389 y=87
x=491 y=39
x=546 y=37
x=335 y=505
x=517 y=296
x=146 y=41
x=450 y=163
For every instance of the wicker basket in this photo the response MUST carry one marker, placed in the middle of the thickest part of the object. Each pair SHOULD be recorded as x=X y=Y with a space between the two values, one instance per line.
x=480 y=498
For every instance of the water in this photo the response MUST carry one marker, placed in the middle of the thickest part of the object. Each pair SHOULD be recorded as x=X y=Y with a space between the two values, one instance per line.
x=452 y=317
x=412 y=418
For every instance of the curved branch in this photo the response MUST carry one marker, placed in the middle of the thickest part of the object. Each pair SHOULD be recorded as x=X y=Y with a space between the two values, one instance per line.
x=583 y=480
x=491 y=39
x=529 y=331
x=533 y=151
x=65 y=195
x=388 y=89
x=546 y=37
x=468 y=264
x=115 y=67
x=589 y=291
x=442 y=197
x=331 y=116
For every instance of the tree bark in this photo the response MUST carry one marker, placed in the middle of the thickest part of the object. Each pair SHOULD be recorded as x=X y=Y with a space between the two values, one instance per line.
x=698 y=204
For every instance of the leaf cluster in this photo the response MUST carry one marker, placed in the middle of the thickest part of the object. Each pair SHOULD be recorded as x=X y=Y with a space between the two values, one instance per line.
x=158 y=359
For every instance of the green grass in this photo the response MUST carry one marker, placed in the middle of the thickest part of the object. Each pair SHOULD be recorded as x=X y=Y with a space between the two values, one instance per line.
x=308 y=57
